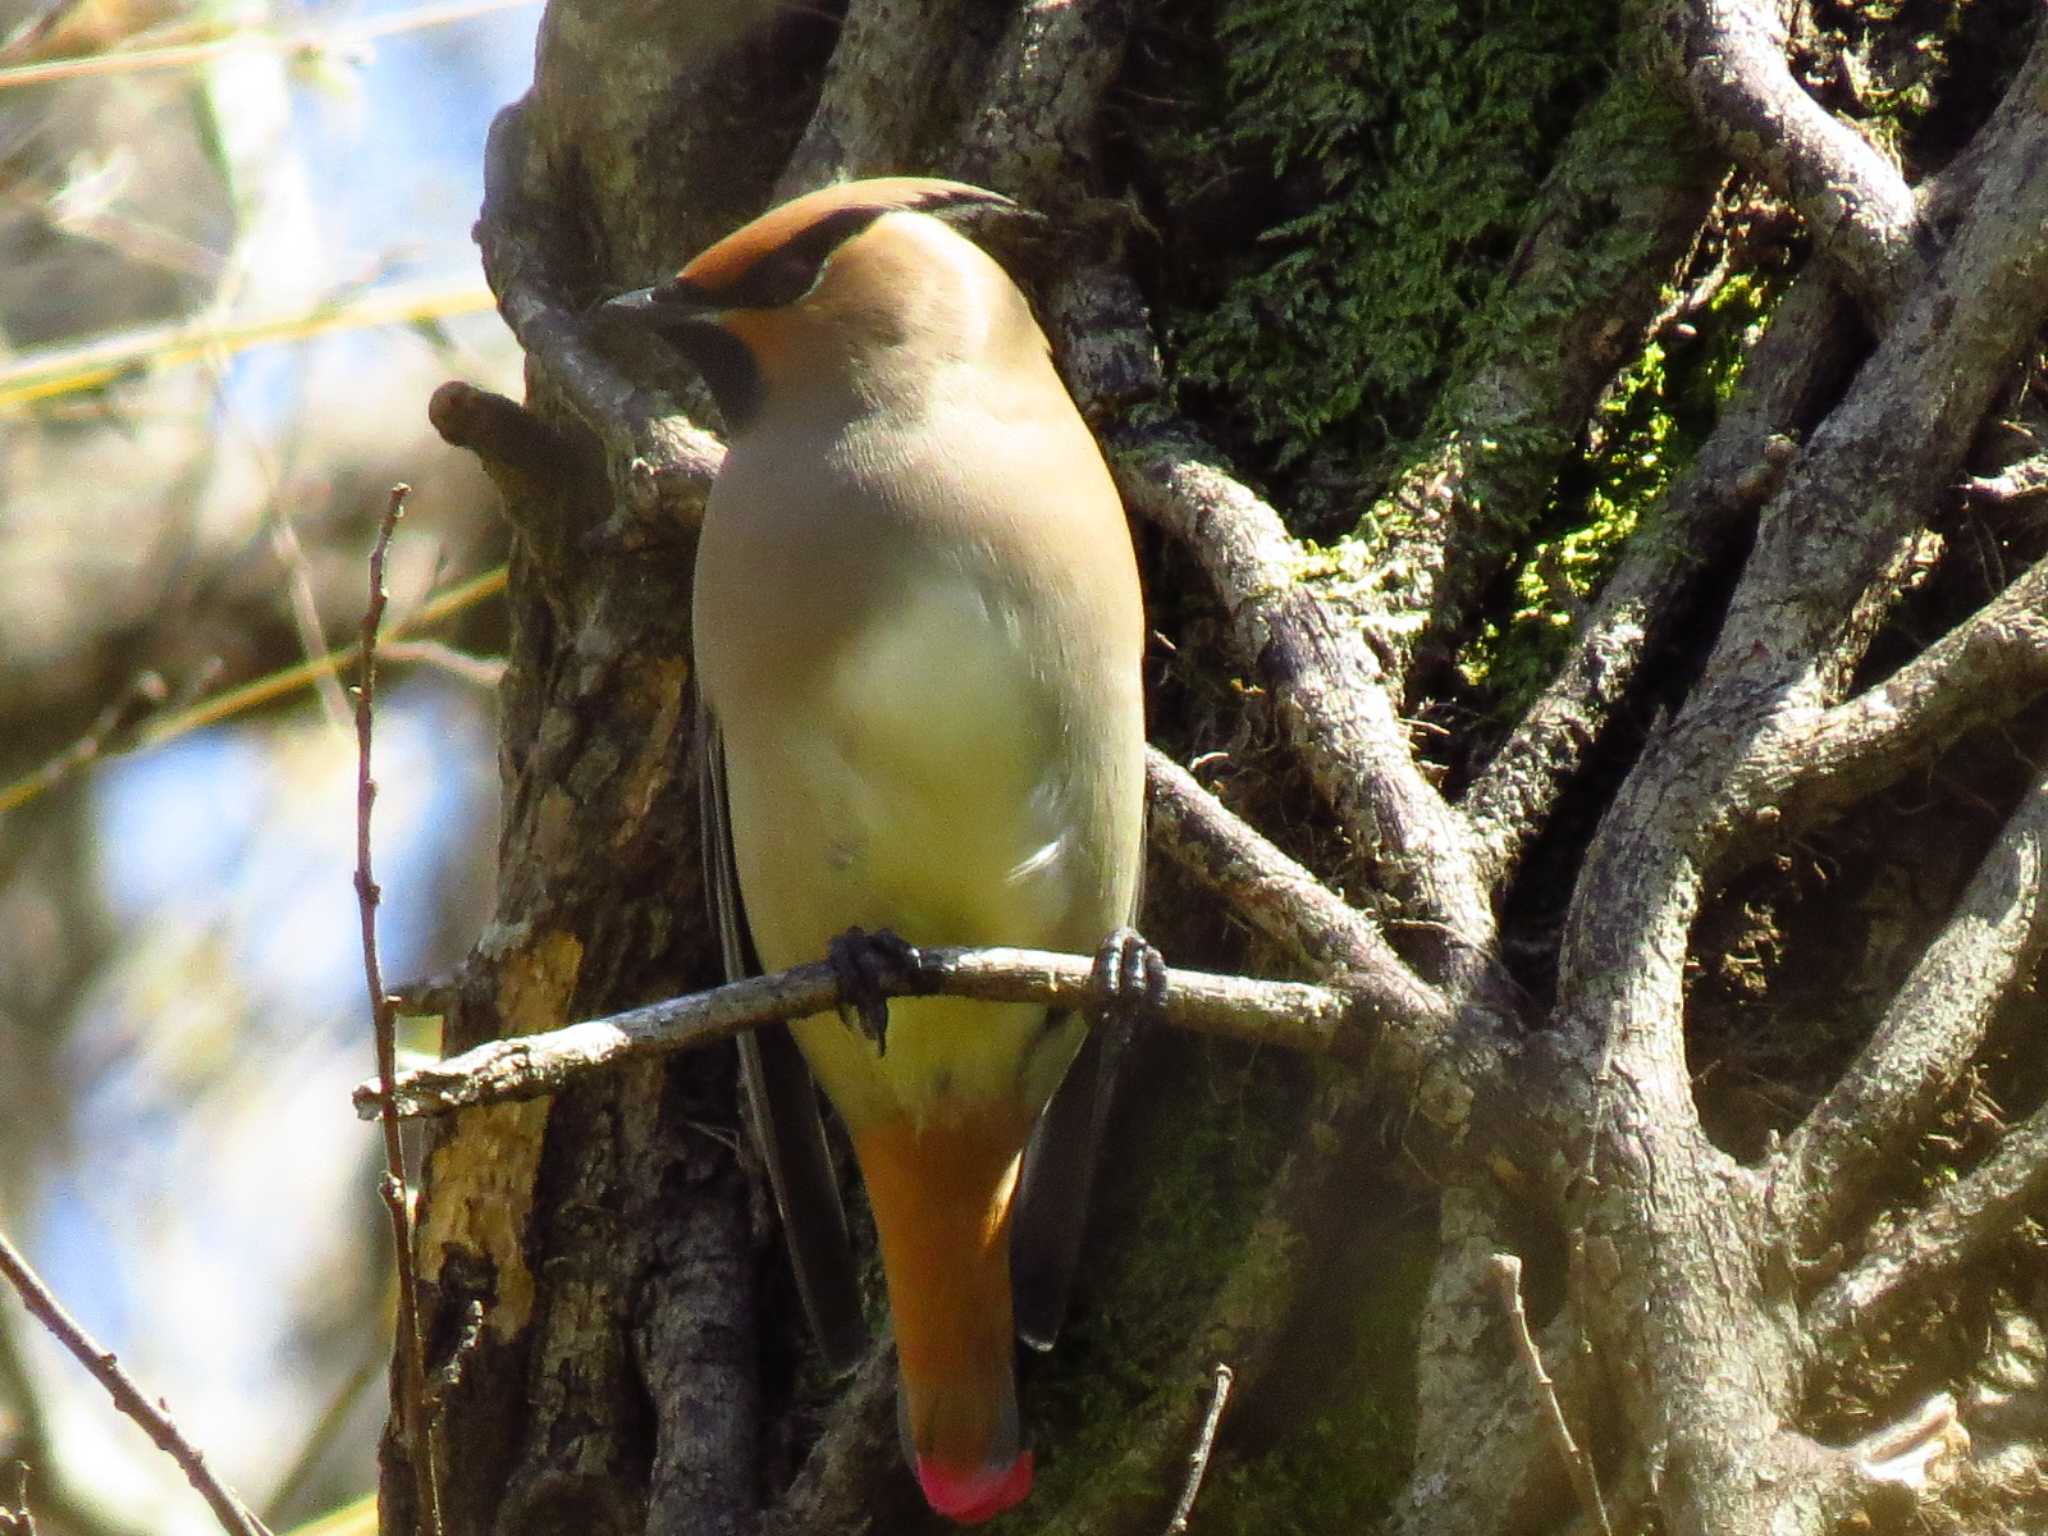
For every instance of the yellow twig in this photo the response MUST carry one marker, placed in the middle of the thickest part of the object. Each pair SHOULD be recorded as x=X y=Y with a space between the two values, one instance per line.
x=67 y=370
x=272 y=685
x=296 y=40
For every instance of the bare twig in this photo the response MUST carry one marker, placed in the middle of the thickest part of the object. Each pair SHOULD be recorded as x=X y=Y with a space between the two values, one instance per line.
x=116 y=726
x=68 y=369
x=298 y=580
x=411 y=1347
x=1198 y=1459
x=1294 y=1014
x=1279 y=897
x=484 y=672
x=234 y=1516
x=1507 y=1275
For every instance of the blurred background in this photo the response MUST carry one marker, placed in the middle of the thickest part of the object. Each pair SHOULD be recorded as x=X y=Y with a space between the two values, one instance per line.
x=234 y=263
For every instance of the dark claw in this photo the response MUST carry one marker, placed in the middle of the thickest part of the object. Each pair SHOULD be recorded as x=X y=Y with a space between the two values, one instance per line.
x=1129 y=981
x=869 y=966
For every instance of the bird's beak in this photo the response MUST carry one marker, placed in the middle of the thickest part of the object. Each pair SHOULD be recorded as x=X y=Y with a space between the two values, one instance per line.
x=666 y=308
x=635 y=302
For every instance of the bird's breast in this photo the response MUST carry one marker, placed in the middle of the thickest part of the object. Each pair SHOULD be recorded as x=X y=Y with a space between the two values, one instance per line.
x=930 y=725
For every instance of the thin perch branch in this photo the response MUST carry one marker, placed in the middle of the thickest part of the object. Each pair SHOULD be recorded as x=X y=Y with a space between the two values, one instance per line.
x=411 y=1348
x=1279 y=897
x=234 y=1516
x=1295 y=1014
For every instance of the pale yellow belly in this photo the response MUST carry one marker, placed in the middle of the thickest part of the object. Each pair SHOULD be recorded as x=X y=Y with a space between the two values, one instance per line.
x=918 y=783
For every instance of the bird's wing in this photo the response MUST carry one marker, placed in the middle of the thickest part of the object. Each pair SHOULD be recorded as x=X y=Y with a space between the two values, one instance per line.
x=1053 y=1195
x=1056 y=1186
x=782 y=1102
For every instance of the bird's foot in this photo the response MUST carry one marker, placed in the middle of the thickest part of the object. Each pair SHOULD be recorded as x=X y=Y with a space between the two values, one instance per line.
x=869 y=967
x=1129 y=981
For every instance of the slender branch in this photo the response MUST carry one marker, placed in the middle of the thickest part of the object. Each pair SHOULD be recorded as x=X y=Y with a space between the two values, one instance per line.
x=411 y=1347
x=44 y=373
x=484 y=672
x=1198 y=1459
x=1987 y=669
x=1925 y=1041
x=117 y=726
x=1507 y=1278
x=1728 y=57
x=1327 y=689
x=1294 y=1014
x=1954 y=1230
x=234 y=1516
x=1279 y=897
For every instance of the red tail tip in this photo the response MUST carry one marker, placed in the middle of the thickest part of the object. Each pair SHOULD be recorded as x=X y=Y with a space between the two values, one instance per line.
x=974 y=1496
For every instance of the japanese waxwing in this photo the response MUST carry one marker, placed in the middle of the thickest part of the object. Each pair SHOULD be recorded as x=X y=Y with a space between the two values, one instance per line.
x=918 y=635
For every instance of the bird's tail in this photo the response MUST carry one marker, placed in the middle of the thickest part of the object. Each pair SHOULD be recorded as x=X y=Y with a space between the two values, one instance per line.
x=941 y=1195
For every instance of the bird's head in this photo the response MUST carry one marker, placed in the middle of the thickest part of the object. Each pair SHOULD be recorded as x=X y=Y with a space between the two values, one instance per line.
x=861 y=290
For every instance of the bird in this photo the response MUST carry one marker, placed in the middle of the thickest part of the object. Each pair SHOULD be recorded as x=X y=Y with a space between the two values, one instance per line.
x=918 y=634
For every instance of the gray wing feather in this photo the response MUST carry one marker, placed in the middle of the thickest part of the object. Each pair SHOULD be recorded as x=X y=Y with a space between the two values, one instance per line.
x=1053 y=1194
x=1058 y=1180
x=782 y=1102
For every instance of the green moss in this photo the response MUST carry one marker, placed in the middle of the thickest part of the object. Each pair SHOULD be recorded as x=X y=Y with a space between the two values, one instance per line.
x=1401 y=144
x=1648 y=429
x=1339 y=1470
x=1210 y=1127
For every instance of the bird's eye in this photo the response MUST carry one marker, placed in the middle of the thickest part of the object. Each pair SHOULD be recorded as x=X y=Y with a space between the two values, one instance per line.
x=791 y=274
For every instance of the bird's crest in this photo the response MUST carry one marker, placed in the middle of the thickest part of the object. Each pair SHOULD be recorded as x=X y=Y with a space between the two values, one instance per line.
x=774 y=260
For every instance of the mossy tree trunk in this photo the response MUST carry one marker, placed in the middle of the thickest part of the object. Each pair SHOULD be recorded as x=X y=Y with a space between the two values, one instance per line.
x=1657 y=712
